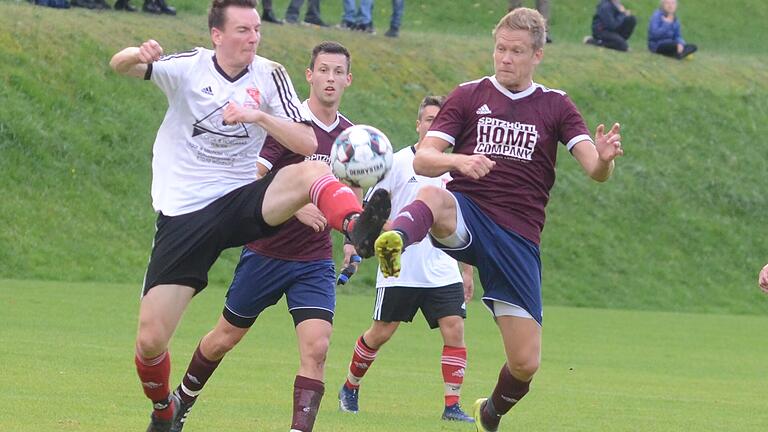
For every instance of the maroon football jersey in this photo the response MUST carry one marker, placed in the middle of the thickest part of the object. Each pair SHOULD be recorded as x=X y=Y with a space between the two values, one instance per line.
x=520 y=132
x=296 y=241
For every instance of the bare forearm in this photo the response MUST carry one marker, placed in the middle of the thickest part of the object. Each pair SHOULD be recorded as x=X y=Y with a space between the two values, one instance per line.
x=432 y=163
x=601 y=170
x=296 y=137
x=127 y=62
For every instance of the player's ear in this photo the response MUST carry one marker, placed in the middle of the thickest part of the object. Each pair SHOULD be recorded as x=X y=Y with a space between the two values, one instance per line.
x=308 y=74
x=349 y=79
x=216 y=36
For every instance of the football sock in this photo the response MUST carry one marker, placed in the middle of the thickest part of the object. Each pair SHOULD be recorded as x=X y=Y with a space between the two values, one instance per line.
x=453 y=362
x=198 y=372
x=413 y=222
x=509 y=390
x=154 y=374
x=307 y=394
x=362 y=358
x=336 y=200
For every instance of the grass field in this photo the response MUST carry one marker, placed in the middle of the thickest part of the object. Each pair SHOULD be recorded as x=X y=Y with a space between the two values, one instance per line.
x=67 y=365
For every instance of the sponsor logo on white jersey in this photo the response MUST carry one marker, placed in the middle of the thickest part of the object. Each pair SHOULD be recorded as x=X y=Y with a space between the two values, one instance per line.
x=483 y=110
x=413 y=180
x=506 y=139
x=207 y=90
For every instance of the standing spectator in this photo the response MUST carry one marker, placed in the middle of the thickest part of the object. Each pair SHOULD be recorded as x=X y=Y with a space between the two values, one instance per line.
x=269 y=14
x=311 y=17
x=358 y=17
x=612 y=26
x=397 y=18
x=664 y=35
x=541 y=5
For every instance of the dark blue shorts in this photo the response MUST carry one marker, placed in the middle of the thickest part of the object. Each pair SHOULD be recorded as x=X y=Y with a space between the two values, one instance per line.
x=509 y=264
x=259 y=282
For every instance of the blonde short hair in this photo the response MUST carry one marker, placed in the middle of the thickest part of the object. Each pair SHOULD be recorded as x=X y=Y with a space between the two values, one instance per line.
x=526 y=19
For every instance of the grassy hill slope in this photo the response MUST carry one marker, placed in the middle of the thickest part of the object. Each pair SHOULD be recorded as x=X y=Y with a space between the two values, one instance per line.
x=680 y=226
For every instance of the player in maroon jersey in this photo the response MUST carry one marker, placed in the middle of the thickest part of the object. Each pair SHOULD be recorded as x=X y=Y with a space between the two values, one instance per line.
x=297 y=262
x=504 y=131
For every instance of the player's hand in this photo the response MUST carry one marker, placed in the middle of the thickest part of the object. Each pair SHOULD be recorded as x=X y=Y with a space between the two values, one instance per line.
x=608 y=145
x=349 y=250
x=150 y=51
x=312 y=217
x=475 y=166
x=234 y=114
x=468 y=279
x=763 y=279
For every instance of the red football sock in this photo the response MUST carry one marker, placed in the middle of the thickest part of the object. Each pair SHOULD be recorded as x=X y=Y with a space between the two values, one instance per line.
x=307 y=393
x=154 y=374
x=362 y=358
x=453 y=361
x=335 y=199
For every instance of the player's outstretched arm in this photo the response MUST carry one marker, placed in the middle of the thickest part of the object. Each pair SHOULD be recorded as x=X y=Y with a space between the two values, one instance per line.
x=432 y=161
x=296 y=137
x=597 y=159
x=763 y=279
x=133 y=61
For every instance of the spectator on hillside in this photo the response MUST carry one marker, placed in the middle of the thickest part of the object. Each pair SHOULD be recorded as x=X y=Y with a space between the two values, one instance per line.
x=157 y=7
x=612 y=26
x=397 y=18
x=763 y=279
x=664 y=35
x=268 y=14
x=311 y=17
x=541 y=5
x=358 y=17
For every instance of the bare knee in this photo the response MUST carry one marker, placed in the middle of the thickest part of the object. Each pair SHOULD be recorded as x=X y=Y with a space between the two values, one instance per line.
x=308 y=171
x=314 y=352
x=524 y=368
x=219 y=342
x=150 y=342
x=379 y=334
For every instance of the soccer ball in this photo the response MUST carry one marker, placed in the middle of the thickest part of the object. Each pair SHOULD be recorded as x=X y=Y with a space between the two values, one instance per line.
x=361 y=156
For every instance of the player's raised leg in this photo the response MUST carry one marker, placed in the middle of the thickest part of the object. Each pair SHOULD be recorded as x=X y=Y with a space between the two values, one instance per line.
x=522 y=344
x=434 y=209
x=297 y=185
x=159 y=315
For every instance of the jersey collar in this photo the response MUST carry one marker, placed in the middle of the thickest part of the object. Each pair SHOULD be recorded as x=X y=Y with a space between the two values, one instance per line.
x=511 y=95
x=328 y=128
x=224 y=74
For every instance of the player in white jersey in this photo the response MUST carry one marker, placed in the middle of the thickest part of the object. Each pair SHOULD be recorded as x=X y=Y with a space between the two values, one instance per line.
x=430 y=281
x=222 y=104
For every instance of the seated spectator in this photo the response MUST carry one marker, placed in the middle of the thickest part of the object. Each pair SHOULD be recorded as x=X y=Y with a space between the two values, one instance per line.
x=612 y=26
x=158 y=7
x=664 y=32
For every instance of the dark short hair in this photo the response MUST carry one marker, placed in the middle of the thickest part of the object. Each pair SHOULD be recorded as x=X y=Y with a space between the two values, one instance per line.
x=217 y=14
x=329 y=47
x=430 y=101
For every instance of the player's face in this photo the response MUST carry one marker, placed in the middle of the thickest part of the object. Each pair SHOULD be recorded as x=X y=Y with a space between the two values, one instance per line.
x=329 y=78
x=237 y=42
x=514 y=58
x=423 y=124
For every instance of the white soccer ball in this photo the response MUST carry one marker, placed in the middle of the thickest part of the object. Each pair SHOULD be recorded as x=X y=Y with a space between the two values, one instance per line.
x=361 y=156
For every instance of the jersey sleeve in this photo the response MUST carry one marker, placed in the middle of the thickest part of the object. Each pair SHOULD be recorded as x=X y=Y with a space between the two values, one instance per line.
x=572 y=128
x=450 y=119
x=271 y=152
x=283 y=102
x=168 y=72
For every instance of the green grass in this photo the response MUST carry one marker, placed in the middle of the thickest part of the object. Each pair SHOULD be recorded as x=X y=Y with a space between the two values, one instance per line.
x=67 y=366
x=680 y=227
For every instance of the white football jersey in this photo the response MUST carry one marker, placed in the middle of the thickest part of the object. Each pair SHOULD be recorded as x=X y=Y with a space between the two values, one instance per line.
x=196 y=157
x=422 y=265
